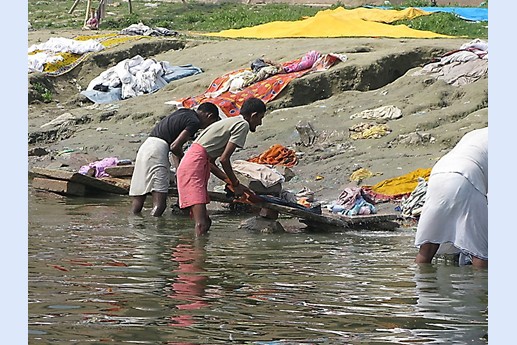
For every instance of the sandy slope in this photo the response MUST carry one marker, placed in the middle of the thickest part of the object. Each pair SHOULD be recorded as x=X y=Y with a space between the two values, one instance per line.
x=378 y=72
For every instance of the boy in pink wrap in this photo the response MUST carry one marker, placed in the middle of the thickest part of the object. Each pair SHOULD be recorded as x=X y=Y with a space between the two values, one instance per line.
x=217 y=141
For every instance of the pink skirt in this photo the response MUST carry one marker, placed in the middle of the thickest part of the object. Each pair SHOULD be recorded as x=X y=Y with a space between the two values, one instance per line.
x=192 y=177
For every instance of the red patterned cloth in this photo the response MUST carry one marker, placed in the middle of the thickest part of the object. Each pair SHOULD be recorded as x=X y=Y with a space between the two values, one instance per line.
x=267 y=89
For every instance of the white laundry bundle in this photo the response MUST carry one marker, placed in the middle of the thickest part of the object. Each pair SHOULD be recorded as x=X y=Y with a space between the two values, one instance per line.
x=136 y=76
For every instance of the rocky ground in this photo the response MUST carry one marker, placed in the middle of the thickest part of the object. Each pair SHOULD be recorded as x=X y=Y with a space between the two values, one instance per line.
x=378 y=72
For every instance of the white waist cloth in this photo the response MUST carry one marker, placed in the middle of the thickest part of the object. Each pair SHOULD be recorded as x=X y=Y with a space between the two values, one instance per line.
x=152 y=168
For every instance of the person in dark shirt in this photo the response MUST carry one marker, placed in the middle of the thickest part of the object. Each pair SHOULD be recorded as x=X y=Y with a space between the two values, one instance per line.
x=152 y=164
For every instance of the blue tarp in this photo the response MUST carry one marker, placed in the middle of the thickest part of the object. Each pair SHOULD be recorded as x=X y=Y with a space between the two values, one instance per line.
x=477 y=14
x=467 y=13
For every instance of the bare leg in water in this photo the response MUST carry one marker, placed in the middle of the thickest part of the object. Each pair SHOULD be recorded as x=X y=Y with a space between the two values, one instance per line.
x=137 y=204
x=159 y=203
x=426 y=253
x=428 y=250
x=479 y=263
x=203 y=221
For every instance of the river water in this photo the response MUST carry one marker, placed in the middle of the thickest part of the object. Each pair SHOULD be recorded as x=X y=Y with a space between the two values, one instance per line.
x=99 y=275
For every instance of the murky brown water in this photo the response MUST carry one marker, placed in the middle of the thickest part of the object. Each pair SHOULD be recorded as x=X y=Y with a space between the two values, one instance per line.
x=99 y=275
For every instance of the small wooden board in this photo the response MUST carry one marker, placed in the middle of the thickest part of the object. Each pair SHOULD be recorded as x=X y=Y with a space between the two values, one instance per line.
x=92 y=183
x=59 y=186
x=120 y=171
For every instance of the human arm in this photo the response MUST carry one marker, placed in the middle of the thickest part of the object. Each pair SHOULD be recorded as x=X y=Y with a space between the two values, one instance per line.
x=229 y=174
x=214 y=169
x=226 y=164
x=177 y=146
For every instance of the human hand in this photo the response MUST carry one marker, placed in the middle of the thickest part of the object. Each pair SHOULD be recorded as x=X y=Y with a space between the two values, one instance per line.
x=239 y=190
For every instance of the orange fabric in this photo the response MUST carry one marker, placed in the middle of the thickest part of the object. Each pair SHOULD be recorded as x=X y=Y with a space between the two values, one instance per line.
x=246 y=198
x=277 y=155
x=268 y=89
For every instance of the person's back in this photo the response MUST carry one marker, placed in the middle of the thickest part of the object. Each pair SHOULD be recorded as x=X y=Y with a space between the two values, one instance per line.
x=170 y=127
x=469 y=158
x=215 y=138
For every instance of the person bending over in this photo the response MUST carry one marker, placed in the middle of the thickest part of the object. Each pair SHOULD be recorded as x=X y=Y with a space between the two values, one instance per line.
x=152 y=164
x=454 y=217
x=217 y=141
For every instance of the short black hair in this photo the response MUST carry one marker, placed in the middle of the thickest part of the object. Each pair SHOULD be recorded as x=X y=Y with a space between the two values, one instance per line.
x=253 y=105
x=210 y=108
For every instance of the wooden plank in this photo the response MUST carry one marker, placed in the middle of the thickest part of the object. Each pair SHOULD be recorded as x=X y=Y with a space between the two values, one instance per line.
x=73 y=6
x=91 y=182
x=122 y=182
x=88 y=8
x=120 y=170
x=59 y=186
x=384 y=221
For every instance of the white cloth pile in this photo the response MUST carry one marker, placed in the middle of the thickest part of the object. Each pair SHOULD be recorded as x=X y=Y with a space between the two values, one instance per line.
x=260 y=172
x=384 y=113
x=47 y=52
x=462 y=66
x=136 y=76
x=144 y=30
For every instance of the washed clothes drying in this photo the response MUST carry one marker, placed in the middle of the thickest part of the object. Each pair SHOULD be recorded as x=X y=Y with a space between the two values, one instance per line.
x=133 y=77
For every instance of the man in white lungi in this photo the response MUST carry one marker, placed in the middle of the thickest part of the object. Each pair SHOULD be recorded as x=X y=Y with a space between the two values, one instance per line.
x=454 y=218
x=152 y=164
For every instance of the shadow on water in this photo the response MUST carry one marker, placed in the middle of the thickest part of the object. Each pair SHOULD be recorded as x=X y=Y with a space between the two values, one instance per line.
x=99 y=274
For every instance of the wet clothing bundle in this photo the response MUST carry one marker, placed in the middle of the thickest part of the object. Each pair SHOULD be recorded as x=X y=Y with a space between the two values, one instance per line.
x=412 y=205
x=352 y=203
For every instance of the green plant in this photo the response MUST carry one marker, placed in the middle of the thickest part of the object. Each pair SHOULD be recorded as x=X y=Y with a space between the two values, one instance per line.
x=43 y=92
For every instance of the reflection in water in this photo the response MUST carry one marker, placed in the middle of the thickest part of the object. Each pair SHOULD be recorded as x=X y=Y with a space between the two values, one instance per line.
x=189 y=287
x=453 y=301
x=98 y=274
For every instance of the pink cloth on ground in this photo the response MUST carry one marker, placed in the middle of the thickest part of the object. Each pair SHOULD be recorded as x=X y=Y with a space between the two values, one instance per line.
x=99 y=166
x=307 y=61
x=192 y=176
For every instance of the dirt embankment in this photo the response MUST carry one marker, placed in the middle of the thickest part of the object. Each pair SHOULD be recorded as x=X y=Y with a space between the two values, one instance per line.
x=378 y=72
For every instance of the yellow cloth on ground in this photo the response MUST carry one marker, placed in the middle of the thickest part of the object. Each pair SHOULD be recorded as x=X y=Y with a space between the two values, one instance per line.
x=340 y=22
x=371 y=131
x=362 y=174
x=401 y=184
x=70 y=60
